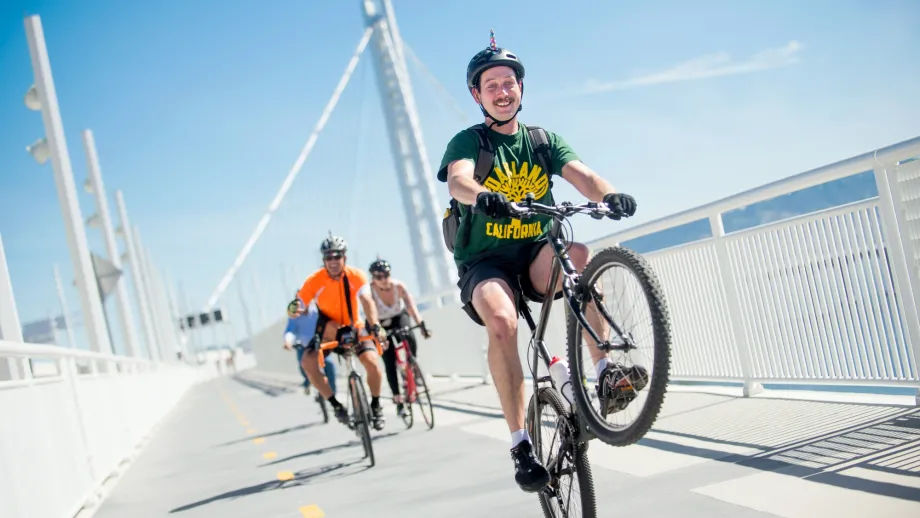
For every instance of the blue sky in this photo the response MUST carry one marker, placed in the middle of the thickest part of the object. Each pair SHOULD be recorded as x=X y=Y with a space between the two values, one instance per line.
x=199 y=111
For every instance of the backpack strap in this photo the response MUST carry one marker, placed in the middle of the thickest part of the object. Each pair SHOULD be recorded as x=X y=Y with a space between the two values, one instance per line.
x=484 y=163
x=540 y=142
x=351 y=316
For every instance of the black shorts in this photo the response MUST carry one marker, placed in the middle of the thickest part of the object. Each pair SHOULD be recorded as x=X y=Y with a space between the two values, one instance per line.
x=510 y=265
x=321 y=321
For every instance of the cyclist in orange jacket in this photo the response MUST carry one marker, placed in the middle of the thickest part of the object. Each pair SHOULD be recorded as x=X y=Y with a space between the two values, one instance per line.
x=327 y=287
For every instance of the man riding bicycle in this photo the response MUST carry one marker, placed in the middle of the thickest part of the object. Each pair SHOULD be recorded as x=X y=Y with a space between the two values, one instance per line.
x=501 y=260
x=394 y=306
x=337 y=315
x=299 y=331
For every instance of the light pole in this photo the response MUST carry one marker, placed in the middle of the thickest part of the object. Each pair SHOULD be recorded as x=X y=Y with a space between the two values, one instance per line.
x=156 y=312
x=140 y=287
x=97 y=188
x=65 y=310
x=43 y=96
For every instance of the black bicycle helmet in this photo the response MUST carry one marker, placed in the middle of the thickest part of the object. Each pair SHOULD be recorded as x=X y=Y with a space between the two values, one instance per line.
x=380 y=266
x=492 y=57
x=333 y=244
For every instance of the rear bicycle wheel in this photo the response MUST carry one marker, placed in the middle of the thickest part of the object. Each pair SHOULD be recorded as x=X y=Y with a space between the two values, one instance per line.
x=322 y=406
x=422 y=395
x=570 y=493
x=362 y=415
x=658 y=324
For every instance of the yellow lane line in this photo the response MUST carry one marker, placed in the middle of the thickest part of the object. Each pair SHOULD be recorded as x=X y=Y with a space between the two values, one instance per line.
x=311 y=511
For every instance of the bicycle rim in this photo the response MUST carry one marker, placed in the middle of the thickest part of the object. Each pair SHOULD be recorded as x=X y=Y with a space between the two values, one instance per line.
x=650 y=398
x=422 y=395
x=362 y=416
x=570 y=493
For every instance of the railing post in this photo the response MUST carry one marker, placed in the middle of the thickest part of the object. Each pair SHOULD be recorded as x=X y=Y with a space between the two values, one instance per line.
x=723 y=261
x=900 y=250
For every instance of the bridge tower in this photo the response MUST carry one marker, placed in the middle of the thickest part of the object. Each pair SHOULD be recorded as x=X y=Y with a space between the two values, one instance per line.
x=434 y=266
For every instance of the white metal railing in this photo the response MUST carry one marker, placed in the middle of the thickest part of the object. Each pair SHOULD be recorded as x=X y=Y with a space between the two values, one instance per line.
x=73 y=417
x=826 y=295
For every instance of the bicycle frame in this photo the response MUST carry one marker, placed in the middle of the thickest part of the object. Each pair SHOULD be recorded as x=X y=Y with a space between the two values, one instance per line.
x=562 y=265
x=400 y=343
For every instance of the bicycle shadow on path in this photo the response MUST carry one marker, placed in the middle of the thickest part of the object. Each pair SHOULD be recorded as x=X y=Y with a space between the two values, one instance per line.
x=327 y=449
x=301 y=478
x=271 y=389
x=283 y=431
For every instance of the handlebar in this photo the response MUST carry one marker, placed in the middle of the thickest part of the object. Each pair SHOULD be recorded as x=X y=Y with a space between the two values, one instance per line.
x=325 y=346
x=335 y=343
x=529 y=207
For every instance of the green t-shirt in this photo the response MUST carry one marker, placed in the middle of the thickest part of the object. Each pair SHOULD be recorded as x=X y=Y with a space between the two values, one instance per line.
x=515 y=172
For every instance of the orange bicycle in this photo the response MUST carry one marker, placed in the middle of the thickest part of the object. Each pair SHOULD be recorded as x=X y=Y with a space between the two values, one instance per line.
x=359 y=412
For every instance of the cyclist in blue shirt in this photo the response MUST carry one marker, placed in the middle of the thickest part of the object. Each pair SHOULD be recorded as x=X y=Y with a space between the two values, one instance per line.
x=299 y=331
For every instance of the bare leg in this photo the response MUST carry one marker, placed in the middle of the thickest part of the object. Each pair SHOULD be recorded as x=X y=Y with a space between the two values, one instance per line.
x=371 y=362
x=492 y=299
x=540 y=270
x=310 y=363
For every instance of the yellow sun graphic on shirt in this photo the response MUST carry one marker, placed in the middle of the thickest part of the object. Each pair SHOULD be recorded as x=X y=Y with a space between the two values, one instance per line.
x=515 y=183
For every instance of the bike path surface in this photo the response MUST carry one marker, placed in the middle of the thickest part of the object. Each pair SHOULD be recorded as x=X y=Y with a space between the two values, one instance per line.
x=256 y=446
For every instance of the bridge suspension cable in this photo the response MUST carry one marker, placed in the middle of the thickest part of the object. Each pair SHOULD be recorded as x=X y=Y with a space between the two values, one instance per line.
x=292 y=174
x=437 y=84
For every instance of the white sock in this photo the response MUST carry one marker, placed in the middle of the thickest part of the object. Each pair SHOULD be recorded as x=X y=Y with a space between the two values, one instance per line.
x=600 y=366
x=518 y=437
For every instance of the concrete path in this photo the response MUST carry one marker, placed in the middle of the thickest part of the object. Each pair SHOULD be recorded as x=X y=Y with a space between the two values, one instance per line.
x=255 y=446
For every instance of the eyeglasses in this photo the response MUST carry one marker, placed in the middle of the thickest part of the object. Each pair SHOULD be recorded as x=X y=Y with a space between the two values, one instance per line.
x=332 y=257
x=381 y=276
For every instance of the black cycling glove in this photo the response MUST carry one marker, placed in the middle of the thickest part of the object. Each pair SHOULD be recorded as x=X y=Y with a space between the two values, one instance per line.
x=620 y=204
x=425 y=332
x=493 y=204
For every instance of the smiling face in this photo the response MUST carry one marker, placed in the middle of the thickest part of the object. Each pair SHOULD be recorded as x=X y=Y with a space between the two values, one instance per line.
x=499 y=92
x=334 y=263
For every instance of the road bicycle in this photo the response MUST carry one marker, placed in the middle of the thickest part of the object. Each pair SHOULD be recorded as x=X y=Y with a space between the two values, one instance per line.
x=359 y=412
x=412 y=381
x=565 y=456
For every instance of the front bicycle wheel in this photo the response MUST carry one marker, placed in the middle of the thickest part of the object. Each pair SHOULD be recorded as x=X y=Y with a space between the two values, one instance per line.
x=570 y=493
x=625 y=388
x=422 y=395
x=404 y=375
x=362 y=415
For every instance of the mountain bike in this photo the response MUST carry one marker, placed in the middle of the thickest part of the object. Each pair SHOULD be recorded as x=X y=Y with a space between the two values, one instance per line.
x=324 y=408
x=576 y=425
x=415 y=389
x=359 y=412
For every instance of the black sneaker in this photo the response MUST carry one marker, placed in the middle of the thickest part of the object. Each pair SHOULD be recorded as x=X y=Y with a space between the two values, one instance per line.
x=528 y=472
x=620 y=385
x=377 y=418
x=341 y=414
